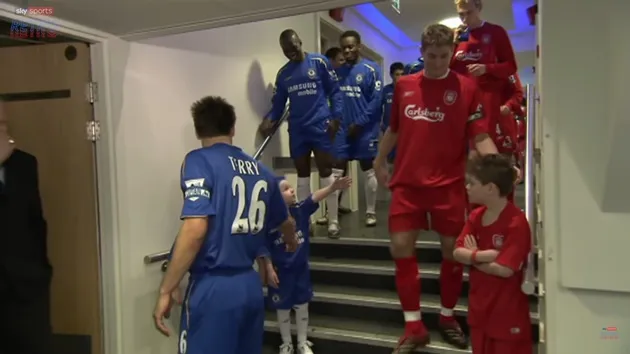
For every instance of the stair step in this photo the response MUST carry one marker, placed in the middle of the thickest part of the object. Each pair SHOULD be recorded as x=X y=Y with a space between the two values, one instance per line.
x=386 y=299
x=362 y=333
x=371 y=267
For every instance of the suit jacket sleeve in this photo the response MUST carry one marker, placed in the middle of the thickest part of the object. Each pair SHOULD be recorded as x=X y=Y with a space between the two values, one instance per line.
x=36 y=219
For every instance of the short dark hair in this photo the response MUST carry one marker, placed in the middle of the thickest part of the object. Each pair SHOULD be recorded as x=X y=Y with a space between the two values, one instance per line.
x=287 y=34
x=354 y=34
x=213 y=116
x=333 y=52
x=496 y=169
x=396 y=66
x=437 y=35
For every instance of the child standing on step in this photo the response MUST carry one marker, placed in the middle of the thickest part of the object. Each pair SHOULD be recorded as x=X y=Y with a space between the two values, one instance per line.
x=495 y=242
x=287 y=273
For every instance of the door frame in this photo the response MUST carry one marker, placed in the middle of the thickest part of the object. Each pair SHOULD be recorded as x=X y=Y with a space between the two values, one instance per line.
x=107 y=204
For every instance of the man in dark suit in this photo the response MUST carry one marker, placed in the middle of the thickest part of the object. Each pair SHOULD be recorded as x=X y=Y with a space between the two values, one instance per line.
x=25 y=272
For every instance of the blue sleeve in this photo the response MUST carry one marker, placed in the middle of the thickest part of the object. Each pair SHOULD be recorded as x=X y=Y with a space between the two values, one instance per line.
x=280 y=97
x=309 y=206
x=277 y=211
x=374 y=93
x=196 y=183
x=263 y=252
x=331 y=86
x=407 y=69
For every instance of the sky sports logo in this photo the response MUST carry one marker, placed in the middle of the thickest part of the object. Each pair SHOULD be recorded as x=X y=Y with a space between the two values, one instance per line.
x=609 y=333
x=35 y=11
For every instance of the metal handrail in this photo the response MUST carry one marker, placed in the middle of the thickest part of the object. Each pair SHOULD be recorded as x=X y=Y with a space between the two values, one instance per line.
x=529 y=283
x=163 y=256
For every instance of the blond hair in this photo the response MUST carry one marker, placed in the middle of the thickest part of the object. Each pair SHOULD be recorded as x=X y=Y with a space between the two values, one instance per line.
x=476 y=3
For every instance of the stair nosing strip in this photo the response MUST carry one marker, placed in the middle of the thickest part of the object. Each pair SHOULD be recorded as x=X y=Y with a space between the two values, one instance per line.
x=382 y=303
x=359 y=241
x=342 y=335
x=332 y=266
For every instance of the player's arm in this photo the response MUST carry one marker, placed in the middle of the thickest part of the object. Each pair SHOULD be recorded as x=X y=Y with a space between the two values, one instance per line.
x=516 y=95
x=513 y=253
x=331 y=87
x=478 y=126
x=466 y=256
x=279 y=99
x=390 y=138
x=375 y=94
x=197 y=209
x=506 y=60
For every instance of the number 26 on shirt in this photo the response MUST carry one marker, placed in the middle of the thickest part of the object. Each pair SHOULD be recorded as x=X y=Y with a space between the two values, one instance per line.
x=254 y=221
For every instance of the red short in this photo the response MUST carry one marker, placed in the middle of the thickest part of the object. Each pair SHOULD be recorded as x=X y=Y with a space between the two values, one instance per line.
x=442 y=209
x=492 y=110
x=482 y=344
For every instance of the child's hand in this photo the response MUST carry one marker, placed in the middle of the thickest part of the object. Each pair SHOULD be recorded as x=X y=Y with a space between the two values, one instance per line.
x=272 y=278
x=470 y=242
x=342 y=183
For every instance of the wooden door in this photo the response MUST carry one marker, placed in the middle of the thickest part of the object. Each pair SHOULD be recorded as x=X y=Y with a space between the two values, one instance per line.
x=48 y=110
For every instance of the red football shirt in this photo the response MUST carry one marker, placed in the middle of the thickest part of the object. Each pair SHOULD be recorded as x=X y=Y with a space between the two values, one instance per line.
x=434 y=119
x=497 y=305
x=488 y=44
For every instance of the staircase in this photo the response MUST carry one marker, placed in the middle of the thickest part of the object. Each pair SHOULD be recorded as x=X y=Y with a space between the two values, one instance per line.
x=355 y=308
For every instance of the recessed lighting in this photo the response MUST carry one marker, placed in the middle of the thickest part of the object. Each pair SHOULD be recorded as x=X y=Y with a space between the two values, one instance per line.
x=452 y=22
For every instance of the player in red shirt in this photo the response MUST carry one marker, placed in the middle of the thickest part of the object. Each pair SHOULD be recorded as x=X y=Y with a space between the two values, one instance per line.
x=495 y=241
x=435 y=115
x=487 y=57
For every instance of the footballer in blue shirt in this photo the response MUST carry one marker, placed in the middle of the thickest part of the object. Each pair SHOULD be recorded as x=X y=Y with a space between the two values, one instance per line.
x=230 y=204
x=362 y=84
x=395 y=71
x=287 y=273
x=309 y=82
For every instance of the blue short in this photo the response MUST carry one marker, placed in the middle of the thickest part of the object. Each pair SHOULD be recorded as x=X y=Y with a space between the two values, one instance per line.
x=294 y=289
x=304 y=140
x=363 y=147
x=223 y=312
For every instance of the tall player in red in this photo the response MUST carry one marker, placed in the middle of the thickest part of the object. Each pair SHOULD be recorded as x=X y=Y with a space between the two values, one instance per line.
x=487 y=57
x=496 y=241
x=435 y=115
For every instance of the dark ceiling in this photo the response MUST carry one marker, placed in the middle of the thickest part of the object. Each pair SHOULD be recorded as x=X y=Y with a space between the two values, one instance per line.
x=31 y=36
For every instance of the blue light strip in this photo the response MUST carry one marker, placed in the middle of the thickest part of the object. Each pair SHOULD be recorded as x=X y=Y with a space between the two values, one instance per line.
x=384 y=25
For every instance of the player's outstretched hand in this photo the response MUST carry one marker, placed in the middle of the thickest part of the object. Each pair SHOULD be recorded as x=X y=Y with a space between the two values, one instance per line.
x=382 y=172
x=162 y=311
x=470 y=242
x=342 y=183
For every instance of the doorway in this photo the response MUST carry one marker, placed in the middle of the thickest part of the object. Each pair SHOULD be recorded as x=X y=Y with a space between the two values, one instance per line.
x=45 y=87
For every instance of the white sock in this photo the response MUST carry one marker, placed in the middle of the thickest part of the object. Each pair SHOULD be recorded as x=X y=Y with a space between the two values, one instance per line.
x=412 y=316
x=284 y=323
x=301 y=322
x=303 y=188
x=371 y=185
x=332 y=201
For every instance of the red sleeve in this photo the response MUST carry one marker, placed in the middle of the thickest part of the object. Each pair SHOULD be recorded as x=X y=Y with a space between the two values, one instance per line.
x=467 y=230
x=506 y=61
x=394 y=118
x=478 y=121
x=517 y=245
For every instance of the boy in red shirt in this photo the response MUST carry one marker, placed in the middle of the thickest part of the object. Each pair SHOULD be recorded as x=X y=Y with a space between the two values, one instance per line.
x=495 y=242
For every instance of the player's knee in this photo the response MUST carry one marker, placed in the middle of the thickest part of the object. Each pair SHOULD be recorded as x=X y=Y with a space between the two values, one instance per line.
x=402 y=244
x=325 y=171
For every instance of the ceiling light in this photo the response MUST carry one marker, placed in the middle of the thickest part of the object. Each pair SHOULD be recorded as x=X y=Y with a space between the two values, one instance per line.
x=452 y=22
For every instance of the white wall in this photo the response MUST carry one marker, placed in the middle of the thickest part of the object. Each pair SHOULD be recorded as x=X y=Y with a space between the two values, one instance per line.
x=584 y=114
x=153 y=84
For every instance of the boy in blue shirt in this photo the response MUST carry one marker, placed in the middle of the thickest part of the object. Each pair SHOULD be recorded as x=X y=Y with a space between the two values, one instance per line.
x=287 y=273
